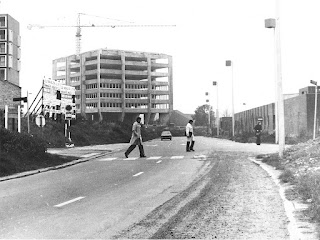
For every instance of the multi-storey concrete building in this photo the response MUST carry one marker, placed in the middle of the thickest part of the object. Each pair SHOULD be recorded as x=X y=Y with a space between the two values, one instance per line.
x=119 y=85
x=9 y=67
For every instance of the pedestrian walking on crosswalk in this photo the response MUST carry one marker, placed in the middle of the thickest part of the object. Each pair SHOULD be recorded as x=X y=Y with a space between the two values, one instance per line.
x=190 y=136
x=136 y=138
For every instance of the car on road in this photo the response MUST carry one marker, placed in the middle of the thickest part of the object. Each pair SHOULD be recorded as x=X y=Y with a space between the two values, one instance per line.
x=166 y=135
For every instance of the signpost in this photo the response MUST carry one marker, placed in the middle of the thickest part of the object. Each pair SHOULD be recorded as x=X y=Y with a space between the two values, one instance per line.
x=40 y=121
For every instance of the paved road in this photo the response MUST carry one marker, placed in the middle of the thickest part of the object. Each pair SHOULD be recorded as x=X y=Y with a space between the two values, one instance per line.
x=108 y=195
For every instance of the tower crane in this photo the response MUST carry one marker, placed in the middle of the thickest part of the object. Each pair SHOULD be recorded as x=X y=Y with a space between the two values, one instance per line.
x=78 y=27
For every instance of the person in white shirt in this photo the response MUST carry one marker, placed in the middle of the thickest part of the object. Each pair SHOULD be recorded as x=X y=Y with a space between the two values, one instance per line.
x=190 y=136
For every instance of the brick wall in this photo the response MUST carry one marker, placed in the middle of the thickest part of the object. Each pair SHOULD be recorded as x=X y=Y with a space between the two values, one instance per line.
x=8 y=91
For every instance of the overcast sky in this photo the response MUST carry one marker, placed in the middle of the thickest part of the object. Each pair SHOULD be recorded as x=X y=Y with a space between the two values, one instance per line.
x=207 y=33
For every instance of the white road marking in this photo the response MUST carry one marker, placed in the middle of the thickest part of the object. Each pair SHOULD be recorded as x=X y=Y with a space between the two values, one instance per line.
x=89 y=155
x=137 y=174
x=68 y=202
x=200 y=156
x=177 y=157
x=130 y=158
x=154 y=145
x=154 y=158
x=107 y=159
x=159 y=161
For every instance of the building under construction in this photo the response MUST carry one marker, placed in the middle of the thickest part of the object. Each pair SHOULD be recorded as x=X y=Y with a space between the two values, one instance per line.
x=119 y=85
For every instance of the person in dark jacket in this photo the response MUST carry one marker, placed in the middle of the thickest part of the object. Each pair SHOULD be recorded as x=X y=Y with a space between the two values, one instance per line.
x=257 y=130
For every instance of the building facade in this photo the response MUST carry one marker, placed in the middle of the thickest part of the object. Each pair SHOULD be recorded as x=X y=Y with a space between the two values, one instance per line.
x=10 y=53
x=119 y=85
x=298 y=115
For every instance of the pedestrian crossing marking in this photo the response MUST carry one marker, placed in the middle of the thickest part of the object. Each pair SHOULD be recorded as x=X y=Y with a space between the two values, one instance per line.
x=107 y=159
x=177 y=157
x=154 y=158
x=130 y=158
x=89 y=155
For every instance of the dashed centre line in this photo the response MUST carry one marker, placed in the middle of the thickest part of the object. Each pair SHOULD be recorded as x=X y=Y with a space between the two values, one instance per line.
x=68 y=202
x=137 y=174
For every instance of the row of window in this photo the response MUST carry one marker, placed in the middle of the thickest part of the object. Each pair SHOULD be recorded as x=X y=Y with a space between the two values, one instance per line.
x=110 y=85
x=128 y=105
x=136 y=86
x=110 y=95
x=111 y=105
x=128 y=96
x=91 y=95
x=136 y=105
x=128 y=86
x=74 y=79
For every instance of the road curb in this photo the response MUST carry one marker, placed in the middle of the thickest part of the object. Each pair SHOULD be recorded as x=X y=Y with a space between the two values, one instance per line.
x=297 y=229
x=68 y=164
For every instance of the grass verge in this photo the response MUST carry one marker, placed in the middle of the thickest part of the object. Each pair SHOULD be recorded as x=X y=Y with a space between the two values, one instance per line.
x=305 y=184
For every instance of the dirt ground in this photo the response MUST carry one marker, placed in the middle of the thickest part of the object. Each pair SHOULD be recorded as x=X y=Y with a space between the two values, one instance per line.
x=237 y=199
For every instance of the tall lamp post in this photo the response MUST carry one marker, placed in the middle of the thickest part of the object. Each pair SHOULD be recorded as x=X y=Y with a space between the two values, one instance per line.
x=315 y=107
x=230 y=64
x=207 y=101
x=217 y=111
x=275 y=24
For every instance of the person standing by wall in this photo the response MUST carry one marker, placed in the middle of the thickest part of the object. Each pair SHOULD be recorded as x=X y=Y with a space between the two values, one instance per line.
x=190 y=136
x=136 y=138
x=258 y=129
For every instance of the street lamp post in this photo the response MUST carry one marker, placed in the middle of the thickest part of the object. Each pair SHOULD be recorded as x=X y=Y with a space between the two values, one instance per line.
x=275 y=24
x=229 y=63
x=217 y=111
x=207 y=101
x=315 y=107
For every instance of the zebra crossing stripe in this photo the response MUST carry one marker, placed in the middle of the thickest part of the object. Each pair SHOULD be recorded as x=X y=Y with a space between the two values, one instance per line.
x=153 y=158
x=130 y=158
x=89 y=155
x=177 y=157
x=107 y=159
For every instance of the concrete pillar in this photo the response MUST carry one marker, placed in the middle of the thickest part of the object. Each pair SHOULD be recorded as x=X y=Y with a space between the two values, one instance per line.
x=98 y=83
x=82 y=86
x=123 y=84
x=149 y=89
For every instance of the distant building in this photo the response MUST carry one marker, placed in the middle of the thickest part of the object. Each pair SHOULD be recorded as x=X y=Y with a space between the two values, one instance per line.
x=10 y=53
x=119 y=85
x=178 y=118
x=298 y=115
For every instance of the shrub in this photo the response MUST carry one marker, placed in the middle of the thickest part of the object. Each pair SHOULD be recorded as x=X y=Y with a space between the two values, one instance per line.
x=21 y=144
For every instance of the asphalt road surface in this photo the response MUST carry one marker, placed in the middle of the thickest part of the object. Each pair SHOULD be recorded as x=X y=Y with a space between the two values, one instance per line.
x=214 y=192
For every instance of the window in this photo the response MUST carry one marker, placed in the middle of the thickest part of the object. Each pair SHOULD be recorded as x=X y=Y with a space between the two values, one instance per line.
x=3 y=48
x=3 y=34
x=3 y=61
x=3 y=21
x=3 y=74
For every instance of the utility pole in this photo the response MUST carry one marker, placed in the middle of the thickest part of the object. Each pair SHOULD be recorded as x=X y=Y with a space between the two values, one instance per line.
x=315 y=107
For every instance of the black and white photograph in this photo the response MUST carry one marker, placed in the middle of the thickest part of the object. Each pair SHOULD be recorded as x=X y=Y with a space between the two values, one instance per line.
x=172 y=119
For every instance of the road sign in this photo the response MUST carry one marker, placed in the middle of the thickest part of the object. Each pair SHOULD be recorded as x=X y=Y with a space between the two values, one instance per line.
x=40 y=120
x=20 y=99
